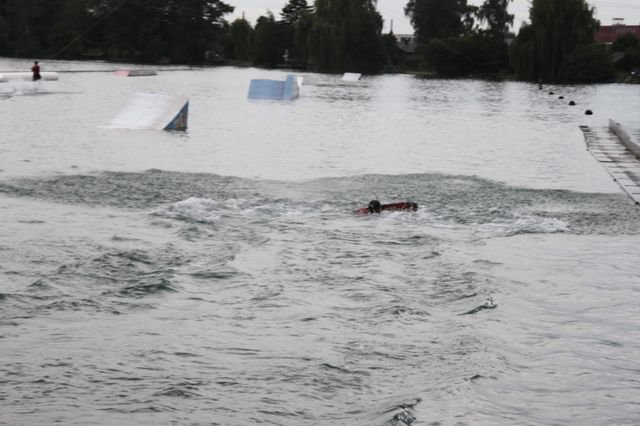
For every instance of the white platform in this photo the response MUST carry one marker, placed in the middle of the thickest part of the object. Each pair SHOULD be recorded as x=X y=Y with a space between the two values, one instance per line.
x=276 y=90
x=136 y=73
x=27 y=76
x=351 y=76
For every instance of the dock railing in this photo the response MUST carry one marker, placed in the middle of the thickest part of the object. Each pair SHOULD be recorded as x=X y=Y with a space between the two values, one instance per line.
x=624 y=137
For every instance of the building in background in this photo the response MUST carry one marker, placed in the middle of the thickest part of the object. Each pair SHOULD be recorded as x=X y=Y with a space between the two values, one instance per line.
x=610 y=33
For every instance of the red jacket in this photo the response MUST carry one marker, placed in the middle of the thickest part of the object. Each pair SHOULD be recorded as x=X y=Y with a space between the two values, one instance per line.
x=36 y=72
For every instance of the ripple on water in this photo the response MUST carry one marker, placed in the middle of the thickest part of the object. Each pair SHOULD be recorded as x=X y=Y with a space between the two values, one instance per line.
x=495 y=207
x=312 y=314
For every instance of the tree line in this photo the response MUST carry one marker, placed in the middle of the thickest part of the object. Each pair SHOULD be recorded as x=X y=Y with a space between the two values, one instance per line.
x=455 y=38
x=136 y=30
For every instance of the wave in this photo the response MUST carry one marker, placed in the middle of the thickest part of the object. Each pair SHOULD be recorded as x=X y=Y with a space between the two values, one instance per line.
x=402 y=412
x=109 y=281
x=149 y=286
x=181 y=390
x=525 y=224
x=491 y=208
x=21 y=88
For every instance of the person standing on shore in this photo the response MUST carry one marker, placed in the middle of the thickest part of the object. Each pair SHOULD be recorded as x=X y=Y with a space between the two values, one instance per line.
x=35 y=69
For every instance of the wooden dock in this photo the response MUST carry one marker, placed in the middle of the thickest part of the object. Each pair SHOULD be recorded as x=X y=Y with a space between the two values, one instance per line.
x=619 y=155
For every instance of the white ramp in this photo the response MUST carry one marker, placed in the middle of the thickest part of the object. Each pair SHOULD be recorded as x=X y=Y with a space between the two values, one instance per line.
x=351 y=76
x=276 y=90
x=153 y=111
x=136 y=73
x=27 y=76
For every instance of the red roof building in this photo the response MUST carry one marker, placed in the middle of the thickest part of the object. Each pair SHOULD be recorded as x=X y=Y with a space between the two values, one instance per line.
x=610 y=33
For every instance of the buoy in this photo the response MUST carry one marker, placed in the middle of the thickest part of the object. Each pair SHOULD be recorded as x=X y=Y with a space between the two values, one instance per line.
x=572 y=103
x=561 y=97
x=588 y=112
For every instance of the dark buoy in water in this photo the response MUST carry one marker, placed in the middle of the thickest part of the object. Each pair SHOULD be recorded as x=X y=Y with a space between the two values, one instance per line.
x=561 y=97
x=551 y=93
x=572 y=103
x=588 y=112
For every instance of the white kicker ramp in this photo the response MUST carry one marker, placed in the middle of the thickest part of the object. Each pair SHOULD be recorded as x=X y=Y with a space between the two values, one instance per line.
x=153 y=111
x=276 y=90
x=351 y=76
x=136 y=73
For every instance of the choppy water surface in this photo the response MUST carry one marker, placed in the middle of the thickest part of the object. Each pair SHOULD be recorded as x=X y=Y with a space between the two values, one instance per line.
x=220 y=276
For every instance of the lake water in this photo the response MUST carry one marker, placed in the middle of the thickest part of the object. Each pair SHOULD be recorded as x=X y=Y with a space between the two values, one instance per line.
x=220 y=276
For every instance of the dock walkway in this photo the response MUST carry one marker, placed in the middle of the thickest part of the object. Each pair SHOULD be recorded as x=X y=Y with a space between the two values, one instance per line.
x=619 y=155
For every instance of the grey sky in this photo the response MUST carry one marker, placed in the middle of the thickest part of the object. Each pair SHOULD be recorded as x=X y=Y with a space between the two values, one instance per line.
x=394 y=10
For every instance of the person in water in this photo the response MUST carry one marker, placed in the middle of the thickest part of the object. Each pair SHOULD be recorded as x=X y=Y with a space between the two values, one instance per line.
x=35 y=69
x=376 y=207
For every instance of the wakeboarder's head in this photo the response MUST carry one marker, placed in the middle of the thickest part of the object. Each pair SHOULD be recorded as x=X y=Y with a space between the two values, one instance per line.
x=374 y=206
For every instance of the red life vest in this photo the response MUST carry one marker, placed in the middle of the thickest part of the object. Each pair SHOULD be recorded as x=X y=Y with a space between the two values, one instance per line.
x=36 y=72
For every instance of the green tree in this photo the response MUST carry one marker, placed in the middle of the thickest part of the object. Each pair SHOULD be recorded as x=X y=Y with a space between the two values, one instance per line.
x=326 y=46
x=241 y=35
x=364 y=38
x=23 y=26
x=345 y=35
x=523 y=54
x=266 y=50
x=294 y=11
x=630 y=46
x=4 y=36
x=438 y=18
x=149 y=29
x=494 y=13
x=631 y=60
x=130 y=29
x=127 y=30
x=557 y=28
x=624 y=42
x=464 y=56
x=66 y=34
x=194 y=28
x=294 y=16
x=587 y=63
x=301 y=36
x=392 y=53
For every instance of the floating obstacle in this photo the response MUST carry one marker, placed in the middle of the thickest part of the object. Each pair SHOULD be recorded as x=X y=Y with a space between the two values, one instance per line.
x=351 y=76
x=620 y=156
x=27 y=76
x=276 y=90
x=153 y=111
x=136 y=73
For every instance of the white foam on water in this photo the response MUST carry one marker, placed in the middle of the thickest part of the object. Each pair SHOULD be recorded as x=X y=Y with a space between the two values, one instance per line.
x=523 y=225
